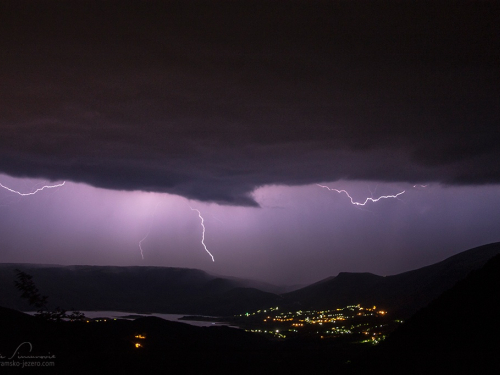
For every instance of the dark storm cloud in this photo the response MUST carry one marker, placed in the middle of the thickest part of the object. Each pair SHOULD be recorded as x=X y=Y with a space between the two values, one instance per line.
x=211 y=99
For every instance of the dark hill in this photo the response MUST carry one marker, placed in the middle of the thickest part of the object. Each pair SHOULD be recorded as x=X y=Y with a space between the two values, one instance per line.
x=342 y=290
x=189 y=291
x=137 y=289
x=458 y=333
x=402 y=294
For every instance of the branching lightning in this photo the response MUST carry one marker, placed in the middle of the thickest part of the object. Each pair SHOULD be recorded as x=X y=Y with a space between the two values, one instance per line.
x=366 y=200
x=203 y=233
x=33 y=192
x=202 y=236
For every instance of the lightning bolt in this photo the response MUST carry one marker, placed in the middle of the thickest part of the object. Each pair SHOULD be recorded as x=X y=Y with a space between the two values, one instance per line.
x=140 y=242
x=203 y=233
x=149 y=230
x=33 y=192
x=366 y=200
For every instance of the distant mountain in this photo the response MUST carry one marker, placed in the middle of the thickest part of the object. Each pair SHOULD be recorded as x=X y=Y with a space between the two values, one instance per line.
x=266 y=287
x=402 y=294
x=455 y=334
x=136 y=289
x=190 y=291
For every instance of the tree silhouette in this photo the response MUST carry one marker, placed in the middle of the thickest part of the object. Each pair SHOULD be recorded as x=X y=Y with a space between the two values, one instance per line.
x=29 y=291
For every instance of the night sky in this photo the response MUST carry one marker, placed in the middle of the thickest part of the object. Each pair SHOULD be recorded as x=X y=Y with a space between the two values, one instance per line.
x=238 y=109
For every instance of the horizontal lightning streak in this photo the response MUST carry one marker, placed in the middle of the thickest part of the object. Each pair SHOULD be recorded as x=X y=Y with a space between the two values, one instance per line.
x=34 y=192
x=366 y=200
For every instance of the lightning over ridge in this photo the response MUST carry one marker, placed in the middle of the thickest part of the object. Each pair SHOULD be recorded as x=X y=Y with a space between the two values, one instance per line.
x=140 y=243
x=203 y=233
x=149 y=231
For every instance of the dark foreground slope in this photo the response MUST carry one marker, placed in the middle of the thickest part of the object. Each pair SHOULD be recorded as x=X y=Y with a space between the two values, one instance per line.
x=458 y=333
x=167 y=347
x=401 y=294
x=109 y=347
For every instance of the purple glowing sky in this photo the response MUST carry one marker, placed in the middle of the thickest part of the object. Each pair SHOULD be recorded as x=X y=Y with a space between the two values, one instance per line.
x=239 y=109
x=296 y=230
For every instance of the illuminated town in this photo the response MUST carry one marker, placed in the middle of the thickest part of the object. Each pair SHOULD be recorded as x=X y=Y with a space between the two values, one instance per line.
x=353 y=323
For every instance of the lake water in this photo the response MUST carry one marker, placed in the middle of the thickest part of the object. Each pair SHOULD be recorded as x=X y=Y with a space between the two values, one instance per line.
x=133 y=315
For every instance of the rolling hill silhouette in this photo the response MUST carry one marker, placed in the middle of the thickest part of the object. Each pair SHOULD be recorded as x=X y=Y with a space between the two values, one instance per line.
x=457 y=333
x=138 y=289
x=190 y=291
x=402 y=294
